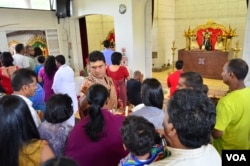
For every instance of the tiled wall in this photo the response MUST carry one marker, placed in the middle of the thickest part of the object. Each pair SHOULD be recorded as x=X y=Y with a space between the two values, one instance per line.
x=163 y=31
x=227 y=12
x=172 y=17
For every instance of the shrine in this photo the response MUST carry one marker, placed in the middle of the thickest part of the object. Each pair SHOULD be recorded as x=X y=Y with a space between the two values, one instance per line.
x=208 y=48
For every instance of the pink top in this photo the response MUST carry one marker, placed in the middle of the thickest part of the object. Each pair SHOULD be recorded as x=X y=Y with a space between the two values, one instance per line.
x=47 y=83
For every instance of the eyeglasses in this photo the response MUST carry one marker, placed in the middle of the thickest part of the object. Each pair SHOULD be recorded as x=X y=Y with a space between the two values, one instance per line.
x=32 y=85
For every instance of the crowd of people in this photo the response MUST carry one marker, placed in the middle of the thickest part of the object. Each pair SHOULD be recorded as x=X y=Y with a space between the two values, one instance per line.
x=193 y=130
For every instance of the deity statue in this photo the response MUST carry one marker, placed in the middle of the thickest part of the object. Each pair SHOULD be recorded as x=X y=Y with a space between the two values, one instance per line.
x=206 y=44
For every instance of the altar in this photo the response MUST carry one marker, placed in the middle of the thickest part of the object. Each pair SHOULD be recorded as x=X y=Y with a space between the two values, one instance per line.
x=208 y=63
x=208 y=48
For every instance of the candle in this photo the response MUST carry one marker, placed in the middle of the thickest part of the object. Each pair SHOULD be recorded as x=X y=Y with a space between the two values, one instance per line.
x=126 y=111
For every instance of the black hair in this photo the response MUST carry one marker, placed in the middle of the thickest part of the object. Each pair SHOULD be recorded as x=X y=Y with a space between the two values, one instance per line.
x=106 y=43
x=96 y=56
x=19 y=47
x=116 y=58
x=239 y=67
x=97 y=95
x=50 y=66
x=60 y=161
x=2 y=90
x=205 y=89
x=60 y=59
x=41 y=59
x=58 y=108
x=17 y=128
x=179 y=64
x=192 y=114
x=22 y=77
x=152 y=93
x=37 y=51
x=193 y=80
x=138 y=135
x=7 y=59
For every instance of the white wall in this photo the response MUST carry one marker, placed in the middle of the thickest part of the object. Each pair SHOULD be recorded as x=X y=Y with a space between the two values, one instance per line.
x=19 y=19
x=246 y=50
x=130 y=28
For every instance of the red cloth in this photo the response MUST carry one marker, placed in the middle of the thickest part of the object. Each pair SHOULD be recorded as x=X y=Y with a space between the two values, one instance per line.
x=118 y=78
x=172 y=81
x=213 y=37
x=5 y=76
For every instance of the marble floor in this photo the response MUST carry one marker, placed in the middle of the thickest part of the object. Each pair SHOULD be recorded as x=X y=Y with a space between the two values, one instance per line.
x=216 y=87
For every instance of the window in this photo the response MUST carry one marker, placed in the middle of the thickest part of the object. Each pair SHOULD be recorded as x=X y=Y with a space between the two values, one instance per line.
x=29 y=4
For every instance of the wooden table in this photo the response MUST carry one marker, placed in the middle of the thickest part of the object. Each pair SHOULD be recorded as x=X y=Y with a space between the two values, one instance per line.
x=208 y=63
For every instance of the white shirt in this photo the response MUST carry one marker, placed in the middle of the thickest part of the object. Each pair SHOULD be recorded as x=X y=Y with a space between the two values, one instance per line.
x=21 y=61
x=64 y=83
x=138 y=107
x=205 y=156
x=32 y=110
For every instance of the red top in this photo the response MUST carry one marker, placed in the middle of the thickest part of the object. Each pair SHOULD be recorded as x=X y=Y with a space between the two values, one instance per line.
x=5 y=76
x=172 y=81
x=118 y=78
x=119 y=74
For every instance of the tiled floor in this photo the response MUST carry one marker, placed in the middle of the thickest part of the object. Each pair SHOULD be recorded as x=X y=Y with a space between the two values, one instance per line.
x=216 y=87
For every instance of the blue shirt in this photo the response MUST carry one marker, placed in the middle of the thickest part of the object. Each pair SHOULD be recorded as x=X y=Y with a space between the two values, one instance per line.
x=38 y=99
x=107 y=54
x=156 y=153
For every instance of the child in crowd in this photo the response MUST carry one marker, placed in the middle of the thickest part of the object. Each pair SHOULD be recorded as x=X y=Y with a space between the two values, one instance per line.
x=41 y=61
x=54 y=129
x=141 y=139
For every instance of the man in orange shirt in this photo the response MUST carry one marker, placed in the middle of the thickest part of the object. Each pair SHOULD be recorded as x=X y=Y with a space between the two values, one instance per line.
x=172 y=80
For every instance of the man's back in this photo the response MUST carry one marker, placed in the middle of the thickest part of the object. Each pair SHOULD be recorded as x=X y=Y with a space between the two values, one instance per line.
x=21 y=61
x=64 y=83
x=205 y=156
x=232 y=117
